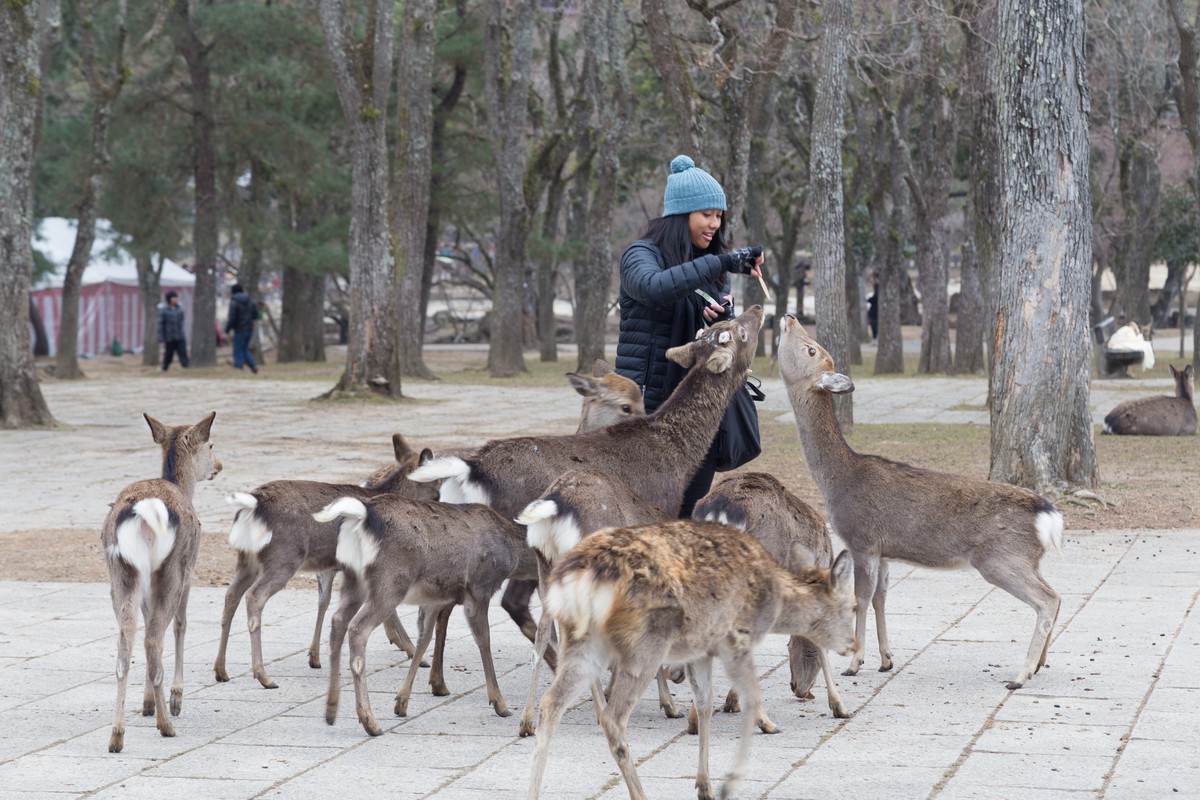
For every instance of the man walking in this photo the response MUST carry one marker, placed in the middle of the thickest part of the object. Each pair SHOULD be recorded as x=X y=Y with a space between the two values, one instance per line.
x=242 y=313
x=171 y=332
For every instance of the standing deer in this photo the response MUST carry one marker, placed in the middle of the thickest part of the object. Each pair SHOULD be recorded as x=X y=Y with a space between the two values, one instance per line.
x=151 y=538
x=679 y=592
x=398 y=550
x=656 y=454
x=275 y=536
x=796 y=536
x=886 y=510
x=1158 y=416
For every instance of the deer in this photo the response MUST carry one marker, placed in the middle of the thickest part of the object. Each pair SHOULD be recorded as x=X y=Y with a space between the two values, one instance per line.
x=275 y=537
x=796 y=536
x=885 y=510
x=1158 y=416
x=655 y=454
x=151 y=538
x=608 y=397
x=680 y=592
x=400 y=550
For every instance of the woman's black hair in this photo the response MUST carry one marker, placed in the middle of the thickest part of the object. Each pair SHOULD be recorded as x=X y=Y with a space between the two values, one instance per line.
x=670 y=235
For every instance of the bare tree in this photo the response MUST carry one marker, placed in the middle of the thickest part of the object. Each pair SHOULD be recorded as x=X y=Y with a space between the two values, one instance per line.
x=829 y=254
x=362 y=72
x=21 y=401
x=1041 y=425
x=1187 y=91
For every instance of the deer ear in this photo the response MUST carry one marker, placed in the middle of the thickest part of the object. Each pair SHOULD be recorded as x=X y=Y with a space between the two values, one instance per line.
x=582 y=385
x=835 y=383
x=425 y=457
x=720 y=360
x=842 y=571
x=684 y=355
x=200 y=431
x=157 y=429
x=600 y=367
x=400 y=447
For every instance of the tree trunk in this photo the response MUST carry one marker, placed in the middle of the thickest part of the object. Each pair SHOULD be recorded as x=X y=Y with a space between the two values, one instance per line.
x=508 y=54
x=889 y=356
x=1187 y=93
x=968 y=341
x=1040 y=381
x=150 y=287
x=41 y=342
x=21 y=401
x=547 y=271
x=302 y=336
x=829 y=251
x=1140 y=181
x=412 y=185
x=362 y=71
x=686 y=104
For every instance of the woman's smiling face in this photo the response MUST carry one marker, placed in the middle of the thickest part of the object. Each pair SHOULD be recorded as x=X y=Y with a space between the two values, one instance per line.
x=703 y=225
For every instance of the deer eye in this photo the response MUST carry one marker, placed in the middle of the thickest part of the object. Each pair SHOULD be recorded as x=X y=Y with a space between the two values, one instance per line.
x=625 y=409
x=812 y=351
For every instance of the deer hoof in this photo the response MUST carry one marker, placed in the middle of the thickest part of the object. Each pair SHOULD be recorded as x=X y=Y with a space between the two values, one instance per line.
x=704 y=791
x=266 y=682
x=439 y=689
x=167 y=729
x=314 y=660
x=527 y=729
x=116 y=742
x=839 y=711
x=501 y=709
x=1012 y=685
x=401 y=708
x=767 y=726
x=372 y=728
x=148 y=707
x=221 y=675
x=672 y=711
x=732 y=706
x=176 y=702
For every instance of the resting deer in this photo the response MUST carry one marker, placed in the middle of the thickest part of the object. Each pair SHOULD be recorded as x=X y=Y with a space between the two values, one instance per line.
x=1158 y=416
x=679 y=592
x=397 y=550
x=796 y=536
x=886 y=510
x=656 y=454
x=276 y=536
x=151 y=538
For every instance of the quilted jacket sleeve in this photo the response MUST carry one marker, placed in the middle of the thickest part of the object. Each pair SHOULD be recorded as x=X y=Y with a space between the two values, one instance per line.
x=645 y=280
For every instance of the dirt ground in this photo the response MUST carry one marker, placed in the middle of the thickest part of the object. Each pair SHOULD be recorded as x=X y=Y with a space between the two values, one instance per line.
x=55 y=484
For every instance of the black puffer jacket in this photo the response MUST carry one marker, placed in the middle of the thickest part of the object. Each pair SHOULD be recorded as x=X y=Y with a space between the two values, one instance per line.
x=242 y=313
x=654 y=299
x=170 y=323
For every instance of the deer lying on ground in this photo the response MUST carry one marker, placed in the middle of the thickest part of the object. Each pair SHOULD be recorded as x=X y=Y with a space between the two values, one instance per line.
x=397 y=550
x=151 y=538
x=276 y=536
x=656 y=455
x=678 y=592
x=1158 y=416
x=796 y=536
x=886 y=510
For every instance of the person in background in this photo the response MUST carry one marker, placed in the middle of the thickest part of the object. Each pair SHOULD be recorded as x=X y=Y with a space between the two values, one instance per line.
x=171 y=332
x=240 y=321
x=680 y=252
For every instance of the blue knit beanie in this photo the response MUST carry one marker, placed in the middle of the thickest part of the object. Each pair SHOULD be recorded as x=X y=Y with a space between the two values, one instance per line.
x=690 y=188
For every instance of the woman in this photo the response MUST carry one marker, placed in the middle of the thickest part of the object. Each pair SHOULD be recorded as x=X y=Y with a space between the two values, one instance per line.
x=681 y=252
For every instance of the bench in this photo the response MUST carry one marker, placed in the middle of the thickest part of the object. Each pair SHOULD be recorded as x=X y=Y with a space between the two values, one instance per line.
x=1113 y=363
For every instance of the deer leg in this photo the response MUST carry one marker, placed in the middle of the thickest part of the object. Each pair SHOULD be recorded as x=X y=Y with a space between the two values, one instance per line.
x=156 y=626
x=424 y=635
x=476 y=609
x=1024 y=582
x=437 y=674
x=740 y=666
x=366 y=620
x=803 y=663
x=835 y=701
x=263 y=589
x=732 y=704
x=398 y=636
x=540 y=642
x=180 y=632
x=245 y=575
x=348 y=606
x=665 y=701
x=574 y=672
x=631 y=677
x=324 y=593
x=878 y=601
x=699 y=675
x=866 y=571
x=126 y=611
x=516 y=602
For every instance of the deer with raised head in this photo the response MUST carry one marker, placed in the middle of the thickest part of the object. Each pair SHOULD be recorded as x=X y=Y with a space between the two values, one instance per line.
x=1158 y=416
x=797 y=537
x=608 y=398
x=678 y=592
x=657 y=455
x=275 y=537
x=151 y=538
x=885 y=510
x=398 y=550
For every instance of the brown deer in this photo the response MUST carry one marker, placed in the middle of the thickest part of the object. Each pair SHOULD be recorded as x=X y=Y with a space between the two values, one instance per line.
x=797 y=537
x=151 y=538
x=886 y=510
x=275 y=536
x=398 y=550
x=608 y=398
x=656 y=454
x=1158 y=416
x=678 y=592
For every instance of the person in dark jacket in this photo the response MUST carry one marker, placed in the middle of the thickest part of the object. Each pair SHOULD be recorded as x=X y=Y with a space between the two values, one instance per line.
x=170 y=330
x=681 y=252
x=242 y=314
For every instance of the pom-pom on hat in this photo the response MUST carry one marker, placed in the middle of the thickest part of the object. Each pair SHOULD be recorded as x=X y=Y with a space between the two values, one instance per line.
x=690 y=188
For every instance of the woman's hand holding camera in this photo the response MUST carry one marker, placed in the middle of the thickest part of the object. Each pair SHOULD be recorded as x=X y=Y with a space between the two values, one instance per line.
x=743 y=261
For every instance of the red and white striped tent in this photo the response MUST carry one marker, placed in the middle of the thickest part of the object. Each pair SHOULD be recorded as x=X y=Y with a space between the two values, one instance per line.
x=110 y=303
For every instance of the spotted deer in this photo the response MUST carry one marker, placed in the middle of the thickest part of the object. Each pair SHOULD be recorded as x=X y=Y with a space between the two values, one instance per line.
x=151 y=537
x=885 y=510
x=678 y=592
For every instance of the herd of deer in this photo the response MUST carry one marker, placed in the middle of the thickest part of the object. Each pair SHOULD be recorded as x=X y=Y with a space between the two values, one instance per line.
x=589 y=517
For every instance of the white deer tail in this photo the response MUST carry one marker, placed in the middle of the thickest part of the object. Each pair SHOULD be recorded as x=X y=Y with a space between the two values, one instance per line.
x=356 y=547
x=1049 y=526
x=248 y=534
x=551 y=531
x=580 y=603
x=455 y=475
x=145 y=539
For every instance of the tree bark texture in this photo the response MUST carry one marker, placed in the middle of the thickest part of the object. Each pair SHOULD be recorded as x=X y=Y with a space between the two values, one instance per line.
x=150 y=288
x=1188 y=97
x=21 y=401
x=362 y=71
x=682 y=96
x=829 y=253
x=508 y=55
x=414 y=173
x=1041 y=425
x=302 y=338
x=1140 y=181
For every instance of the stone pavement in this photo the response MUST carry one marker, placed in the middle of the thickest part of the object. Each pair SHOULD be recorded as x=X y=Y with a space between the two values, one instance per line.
x=1114 y=715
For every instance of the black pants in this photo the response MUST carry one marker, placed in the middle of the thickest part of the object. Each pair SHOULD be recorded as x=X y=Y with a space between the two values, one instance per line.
x=701 y=483
x=171 y=348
